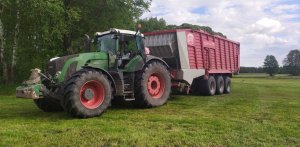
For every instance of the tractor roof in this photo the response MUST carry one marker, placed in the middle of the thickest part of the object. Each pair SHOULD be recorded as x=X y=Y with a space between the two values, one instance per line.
x=114 y=31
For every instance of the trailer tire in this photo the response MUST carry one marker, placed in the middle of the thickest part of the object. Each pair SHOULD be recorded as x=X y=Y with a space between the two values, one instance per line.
x=152 y=86
x=196 y=87
x=48 y=104
x=227 y=84
x=220 y=85
x=88 y=94
x=208 y=87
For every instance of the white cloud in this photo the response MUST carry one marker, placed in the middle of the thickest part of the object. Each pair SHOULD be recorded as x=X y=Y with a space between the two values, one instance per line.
x=266 y=25
x=262 y=27
x=280 y=9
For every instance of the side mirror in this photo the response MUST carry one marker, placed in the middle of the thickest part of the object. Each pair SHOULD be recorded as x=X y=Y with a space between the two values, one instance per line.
x=86 y=43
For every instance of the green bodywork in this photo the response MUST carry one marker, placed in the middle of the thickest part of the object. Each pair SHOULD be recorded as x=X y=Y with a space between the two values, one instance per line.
x=135 y=64
x=100 y=60
x=93 y=59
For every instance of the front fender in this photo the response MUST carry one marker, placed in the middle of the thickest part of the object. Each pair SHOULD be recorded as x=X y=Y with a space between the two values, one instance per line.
x=105 y=73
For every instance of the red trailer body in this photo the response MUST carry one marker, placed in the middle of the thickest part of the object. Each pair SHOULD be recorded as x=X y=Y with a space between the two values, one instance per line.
x=194 y=53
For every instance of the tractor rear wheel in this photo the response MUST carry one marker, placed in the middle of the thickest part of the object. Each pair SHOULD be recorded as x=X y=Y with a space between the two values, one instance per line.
x=227 y=84
x=48 y=104
x=220 y=85
x=88 y=94
x=152 y=86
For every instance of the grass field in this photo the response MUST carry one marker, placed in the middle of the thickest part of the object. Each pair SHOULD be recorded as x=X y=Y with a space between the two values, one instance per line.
x=259 y=112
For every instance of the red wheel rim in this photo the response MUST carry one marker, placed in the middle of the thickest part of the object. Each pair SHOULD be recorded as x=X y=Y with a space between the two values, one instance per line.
x=156 y=86
x=92 y=94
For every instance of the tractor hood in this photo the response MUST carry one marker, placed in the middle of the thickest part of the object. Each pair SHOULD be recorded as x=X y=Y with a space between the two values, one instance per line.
x=56 y=64
x=63 y=67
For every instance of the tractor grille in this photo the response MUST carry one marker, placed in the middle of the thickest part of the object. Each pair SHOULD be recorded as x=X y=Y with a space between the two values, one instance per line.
x=58 y=64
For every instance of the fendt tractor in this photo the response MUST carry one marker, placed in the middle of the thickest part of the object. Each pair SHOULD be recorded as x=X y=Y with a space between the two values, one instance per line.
x=124 y=65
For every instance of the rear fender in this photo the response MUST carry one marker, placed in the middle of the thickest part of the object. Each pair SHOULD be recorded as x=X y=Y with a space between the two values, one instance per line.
x=150 y=59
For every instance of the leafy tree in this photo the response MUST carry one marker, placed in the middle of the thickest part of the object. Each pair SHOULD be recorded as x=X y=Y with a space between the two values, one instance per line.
x=101 y=15
x=152 y=24
x=197 y=27
x=251 y=70
x=292 y=62
x=33 y=31
x=155 y=24
x=271 y=66
x=282 y=70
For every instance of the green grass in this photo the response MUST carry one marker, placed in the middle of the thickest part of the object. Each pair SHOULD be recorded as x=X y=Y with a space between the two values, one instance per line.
x=258 y=112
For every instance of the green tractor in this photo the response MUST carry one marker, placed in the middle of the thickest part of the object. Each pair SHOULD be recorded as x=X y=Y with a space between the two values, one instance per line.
x=116 y=66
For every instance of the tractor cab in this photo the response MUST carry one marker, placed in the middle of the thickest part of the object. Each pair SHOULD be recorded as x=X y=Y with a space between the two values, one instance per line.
x=121 y=46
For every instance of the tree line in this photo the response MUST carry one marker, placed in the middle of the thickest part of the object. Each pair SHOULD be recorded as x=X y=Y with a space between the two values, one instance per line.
x=33 y=31
x=155 y=24
x=291 y=65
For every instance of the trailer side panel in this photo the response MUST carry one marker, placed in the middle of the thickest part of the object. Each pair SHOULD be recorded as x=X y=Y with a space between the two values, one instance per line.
x=197 y=53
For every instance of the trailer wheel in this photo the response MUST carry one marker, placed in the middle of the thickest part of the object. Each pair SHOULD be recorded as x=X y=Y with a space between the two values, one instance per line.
x=88 y=94
x=208 y=87
x=48 y=104
x=152 y=86
x=196 y=87
x=227 y=84
x=220 y=85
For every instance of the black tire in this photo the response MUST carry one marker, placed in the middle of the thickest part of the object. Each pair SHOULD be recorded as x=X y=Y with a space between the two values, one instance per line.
x=227 y=84
x=208 y=87
x=88 y=94
x=48 y=104
x=118 y=101
x=152 y=86
x=196 y=86
x=220 y=85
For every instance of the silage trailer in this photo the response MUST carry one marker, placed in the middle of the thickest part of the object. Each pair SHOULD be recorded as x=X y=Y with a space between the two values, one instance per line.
x=198 y=62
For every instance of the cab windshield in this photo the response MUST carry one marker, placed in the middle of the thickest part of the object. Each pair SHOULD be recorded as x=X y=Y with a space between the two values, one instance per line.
x=126 y=43
x=105 y=43
x=131 y=43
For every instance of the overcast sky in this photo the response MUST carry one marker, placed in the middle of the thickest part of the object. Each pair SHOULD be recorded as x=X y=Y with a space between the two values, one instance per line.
x=263 y=27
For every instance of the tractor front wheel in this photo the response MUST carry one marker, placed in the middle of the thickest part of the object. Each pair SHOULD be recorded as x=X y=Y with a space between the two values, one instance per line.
x=152 y=85
x=88 y=94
